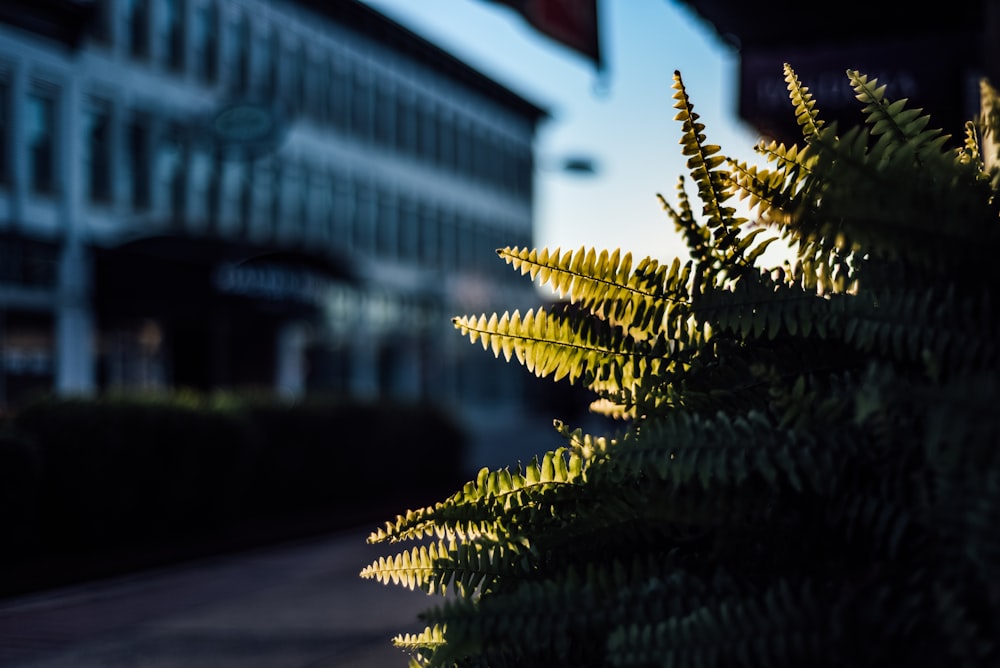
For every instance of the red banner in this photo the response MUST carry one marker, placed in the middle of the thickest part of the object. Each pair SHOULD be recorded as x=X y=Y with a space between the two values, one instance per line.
x=572 y=23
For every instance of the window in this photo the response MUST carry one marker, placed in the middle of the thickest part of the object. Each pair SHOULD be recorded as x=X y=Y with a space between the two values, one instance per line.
x=206 y=43
x=344 y=204
x=139 y=158
x=137 y=27
x=234 y=180
x=463 y=149
x=384 y=130
x=445 y=141
x=275 y=196
x=385 y=239
x=361 y=108
x=449 y=241
x=406 y=124
x=173 y=34
x=300 y=88
x=97 y=151
x=364 y=219
x=239 y=54
x=40 y=131
x=408 y=240
x=270 y=50
x=425 y=130
x=339 y=96
x=429 y=236
x=5 y=142
x=102 y=20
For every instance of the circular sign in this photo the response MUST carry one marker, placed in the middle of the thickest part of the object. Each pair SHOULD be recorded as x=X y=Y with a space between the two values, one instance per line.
x=241 y=123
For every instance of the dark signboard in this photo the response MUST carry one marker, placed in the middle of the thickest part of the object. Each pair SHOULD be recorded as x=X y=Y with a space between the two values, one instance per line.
x=933 y=73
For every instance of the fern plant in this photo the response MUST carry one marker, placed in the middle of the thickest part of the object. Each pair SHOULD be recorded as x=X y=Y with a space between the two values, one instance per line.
x=807 y=471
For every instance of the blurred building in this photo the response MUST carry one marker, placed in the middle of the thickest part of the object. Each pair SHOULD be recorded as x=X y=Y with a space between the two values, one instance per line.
x=279 y=194
x=934 y=58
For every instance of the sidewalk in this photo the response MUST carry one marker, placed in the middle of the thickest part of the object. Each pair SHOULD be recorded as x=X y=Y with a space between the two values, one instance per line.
x=300 y=605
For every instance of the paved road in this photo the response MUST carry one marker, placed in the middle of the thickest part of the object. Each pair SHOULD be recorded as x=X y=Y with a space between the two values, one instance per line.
x=298 y=605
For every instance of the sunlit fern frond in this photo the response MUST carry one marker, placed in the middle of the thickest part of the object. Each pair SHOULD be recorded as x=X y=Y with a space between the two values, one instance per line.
x=607 y=285
x=803 y=105
x=421 y=646
x=556 y=344
x=705 y=164
x=775 y=193
x=489 y=505
x=465 y=568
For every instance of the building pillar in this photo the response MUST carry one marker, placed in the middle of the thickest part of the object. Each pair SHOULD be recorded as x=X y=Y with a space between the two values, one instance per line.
x=74 y=324
x=74 y=319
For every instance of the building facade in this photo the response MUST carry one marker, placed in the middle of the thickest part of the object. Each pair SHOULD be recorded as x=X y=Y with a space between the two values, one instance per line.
x=294 y=196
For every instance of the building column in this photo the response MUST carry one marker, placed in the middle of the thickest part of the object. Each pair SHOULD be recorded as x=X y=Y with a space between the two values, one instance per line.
x=74 y=324
x=75 y=349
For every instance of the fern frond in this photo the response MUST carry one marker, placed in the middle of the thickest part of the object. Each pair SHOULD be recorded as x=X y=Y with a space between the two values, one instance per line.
x=561 y=346
x=464 y=568
x=803 y=104
x=705 y=167
x=901 y=126
x=493 y=503
x=635 y=299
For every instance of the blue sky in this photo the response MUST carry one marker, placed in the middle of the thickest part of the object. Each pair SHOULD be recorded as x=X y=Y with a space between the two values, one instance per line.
x=624 y=121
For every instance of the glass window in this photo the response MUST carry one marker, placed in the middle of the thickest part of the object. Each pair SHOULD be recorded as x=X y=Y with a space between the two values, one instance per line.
x=364 y=219
x=425 y=129
x=137 y=27
x=173 y=34
x=429 y=236
x=361 y=109
x=340 y=96
x=139 y=158
x=40 y=130
x=206 y=42
x=384 y=127
x=275 y=198
x=300 y=89
x=385 y=238
x=406 y=125
x=408 y=240
x=445 y=141
x=97 y=151
x=5 y=142
x=292 y=185
x=102 y=20
x=270 y=49
x=463 y=149
x=234 y=179
x=449 y=250
x=239 y=54
x=246 y=191
x=213 y=189
x=344 y=204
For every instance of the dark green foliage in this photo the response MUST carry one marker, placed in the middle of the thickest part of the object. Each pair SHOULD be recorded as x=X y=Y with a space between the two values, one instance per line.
x=125 y=480
x=808 y=468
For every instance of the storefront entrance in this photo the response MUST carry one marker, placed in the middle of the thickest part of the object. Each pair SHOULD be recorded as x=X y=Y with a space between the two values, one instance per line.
x=202 y=313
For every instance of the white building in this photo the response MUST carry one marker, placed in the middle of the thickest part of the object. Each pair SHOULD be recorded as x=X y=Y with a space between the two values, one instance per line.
x=296 y=195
